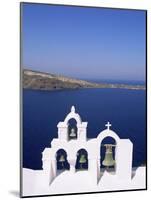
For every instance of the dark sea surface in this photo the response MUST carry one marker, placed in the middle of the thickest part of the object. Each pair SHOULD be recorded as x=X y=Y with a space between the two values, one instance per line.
x=42 y=110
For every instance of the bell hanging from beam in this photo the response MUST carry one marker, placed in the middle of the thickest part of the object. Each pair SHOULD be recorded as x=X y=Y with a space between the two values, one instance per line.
x=72 y=133
x=62 y=160
x=82 y=160
x=108 y=160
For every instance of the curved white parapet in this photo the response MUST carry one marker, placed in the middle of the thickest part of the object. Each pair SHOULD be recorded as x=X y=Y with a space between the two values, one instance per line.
x=68 y=182
x=73 y=115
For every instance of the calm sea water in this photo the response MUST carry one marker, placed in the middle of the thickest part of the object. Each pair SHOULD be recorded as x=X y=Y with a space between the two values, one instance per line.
x=42 y=110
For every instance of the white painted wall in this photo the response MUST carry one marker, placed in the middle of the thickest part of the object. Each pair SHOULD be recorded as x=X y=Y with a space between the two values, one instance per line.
x=123 y=151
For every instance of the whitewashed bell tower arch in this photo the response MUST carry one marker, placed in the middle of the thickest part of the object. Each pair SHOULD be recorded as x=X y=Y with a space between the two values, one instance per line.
x=81 y=126
x=123 y=153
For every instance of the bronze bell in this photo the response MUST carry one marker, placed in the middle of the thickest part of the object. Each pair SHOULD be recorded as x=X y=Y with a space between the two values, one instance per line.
x=108 y=160
x=62 y=160
x=82 y=160
x=72 y=133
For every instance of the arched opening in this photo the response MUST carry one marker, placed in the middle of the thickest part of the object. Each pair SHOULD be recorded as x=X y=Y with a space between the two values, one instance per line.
x=61 y=160
x=107 y=155
x=82 y=160
x=72 y=129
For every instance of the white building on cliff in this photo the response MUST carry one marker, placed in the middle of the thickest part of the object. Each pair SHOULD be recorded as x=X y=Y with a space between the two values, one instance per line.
x=74 y=163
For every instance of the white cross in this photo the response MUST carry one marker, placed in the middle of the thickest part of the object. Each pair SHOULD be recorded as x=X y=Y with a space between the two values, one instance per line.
x=108 y=125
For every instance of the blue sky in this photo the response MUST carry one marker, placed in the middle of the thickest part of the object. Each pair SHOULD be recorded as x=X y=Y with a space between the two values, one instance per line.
x=89 y=43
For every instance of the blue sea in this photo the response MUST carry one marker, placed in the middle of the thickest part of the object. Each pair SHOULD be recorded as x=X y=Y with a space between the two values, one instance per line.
x=42 y=110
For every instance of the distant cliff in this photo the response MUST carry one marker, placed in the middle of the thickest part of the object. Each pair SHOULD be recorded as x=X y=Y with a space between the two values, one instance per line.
x=46 y=81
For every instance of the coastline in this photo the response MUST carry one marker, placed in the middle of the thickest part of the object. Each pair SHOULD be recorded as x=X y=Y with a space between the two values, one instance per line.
x=50 y=82
x=64 y=89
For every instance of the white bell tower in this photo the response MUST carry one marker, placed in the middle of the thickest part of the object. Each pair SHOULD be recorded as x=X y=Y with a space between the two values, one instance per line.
x=63 y=127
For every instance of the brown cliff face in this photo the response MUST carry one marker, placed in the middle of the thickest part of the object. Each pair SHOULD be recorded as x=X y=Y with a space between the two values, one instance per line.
x=44 y=81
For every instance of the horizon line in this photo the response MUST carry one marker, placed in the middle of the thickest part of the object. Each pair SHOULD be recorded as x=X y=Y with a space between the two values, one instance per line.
x=84 y=78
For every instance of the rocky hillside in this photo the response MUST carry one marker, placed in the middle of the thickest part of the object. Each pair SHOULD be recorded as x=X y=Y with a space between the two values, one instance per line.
x=46 y=81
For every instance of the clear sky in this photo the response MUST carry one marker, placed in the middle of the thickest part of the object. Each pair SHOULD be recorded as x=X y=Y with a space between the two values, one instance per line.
x=93 y=43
